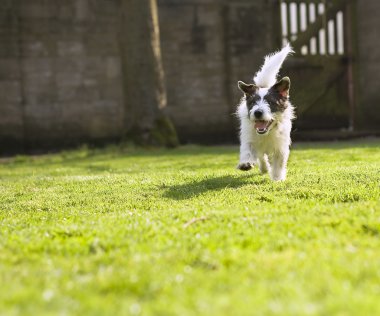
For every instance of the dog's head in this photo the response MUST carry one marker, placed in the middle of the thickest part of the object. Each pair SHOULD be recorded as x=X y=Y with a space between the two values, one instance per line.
x=266 y=105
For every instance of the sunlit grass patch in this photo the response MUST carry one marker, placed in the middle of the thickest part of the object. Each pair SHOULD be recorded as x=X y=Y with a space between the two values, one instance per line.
x=122 y=231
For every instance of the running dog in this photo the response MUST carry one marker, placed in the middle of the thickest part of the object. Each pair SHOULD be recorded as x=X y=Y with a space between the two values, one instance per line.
x=266 y=115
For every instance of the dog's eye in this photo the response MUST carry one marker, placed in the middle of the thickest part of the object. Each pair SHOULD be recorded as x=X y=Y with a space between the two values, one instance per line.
x=255 y=98
x=252 y=101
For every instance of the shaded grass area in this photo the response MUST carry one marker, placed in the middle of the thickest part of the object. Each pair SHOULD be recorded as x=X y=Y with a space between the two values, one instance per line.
x=124 y=231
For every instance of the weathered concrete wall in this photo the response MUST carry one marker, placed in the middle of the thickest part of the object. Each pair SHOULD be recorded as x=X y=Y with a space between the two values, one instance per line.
x=60 y=74
x=207 y=46
x=11 y=111
x=60 y=63
x=60 y=67
x=368 y=64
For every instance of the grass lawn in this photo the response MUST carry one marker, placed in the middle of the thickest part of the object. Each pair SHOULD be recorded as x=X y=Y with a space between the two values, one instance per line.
x=181 y=232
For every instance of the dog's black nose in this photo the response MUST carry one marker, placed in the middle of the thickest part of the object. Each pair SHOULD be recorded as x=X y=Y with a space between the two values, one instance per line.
x=258 y=113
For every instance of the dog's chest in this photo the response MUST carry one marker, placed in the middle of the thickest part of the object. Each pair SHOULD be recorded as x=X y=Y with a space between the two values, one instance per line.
x=270 y=143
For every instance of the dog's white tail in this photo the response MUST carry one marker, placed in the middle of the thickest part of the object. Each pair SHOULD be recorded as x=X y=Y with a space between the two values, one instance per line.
x=267 y=75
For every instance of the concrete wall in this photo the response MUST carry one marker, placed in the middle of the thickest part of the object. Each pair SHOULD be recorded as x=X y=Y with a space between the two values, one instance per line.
x=60 y=79
x=368 y=64
x=207 y=46
x=11 y=111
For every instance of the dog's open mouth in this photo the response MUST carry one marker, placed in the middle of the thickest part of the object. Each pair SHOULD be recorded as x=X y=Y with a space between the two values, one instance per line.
x=262 y=126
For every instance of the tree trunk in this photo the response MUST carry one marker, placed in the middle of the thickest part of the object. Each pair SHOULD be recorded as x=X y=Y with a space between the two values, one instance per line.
x=143 y=74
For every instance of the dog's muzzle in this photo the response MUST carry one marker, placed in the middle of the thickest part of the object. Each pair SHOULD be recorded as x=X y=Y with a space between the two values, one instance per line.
x=262 y=126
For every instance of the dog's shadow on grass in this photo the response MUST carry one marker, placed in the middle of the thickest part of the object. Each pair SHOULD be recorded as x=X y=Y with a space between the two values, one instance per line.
x=197 y=187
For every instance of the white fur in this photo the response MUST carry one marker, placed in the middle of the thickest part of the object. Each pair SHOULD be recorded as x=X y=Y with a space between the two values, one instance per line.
x=271 y=150
x=267 y=75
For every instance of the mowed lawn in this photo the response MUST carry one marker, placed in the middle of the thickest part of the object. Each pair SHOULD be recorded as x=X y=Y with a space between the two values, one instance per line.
x=124 y=231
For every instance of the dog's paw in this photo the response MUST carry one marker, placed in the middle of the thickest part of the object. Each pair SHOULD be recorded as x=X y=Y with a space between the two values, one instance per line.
x=245 y=166
x=278 y=177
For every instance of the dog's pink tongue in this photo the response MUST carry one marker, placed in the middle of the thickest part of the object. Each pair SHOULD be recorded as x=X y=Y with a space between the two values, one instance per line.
x=261 y=124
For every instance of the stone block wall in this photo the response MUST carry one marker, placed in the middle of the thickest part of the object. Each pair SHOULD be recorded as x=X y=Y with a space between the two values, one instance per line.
x=11 y=112
x=59 y=72
x=367 y=64
x=207 y=46
x=60 y=67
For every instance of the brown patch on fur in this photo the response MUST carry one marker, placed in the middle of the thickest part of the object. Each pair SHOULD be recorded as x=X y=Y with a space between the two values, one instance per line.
x=252 y=100
x=283 y=86
x=277 y=102
x=248 y=89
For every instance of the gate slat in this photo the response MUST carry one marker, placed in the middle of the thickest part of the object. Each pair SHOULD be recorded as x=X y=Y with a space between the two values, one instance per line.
x=289 y=15
x=313 y=29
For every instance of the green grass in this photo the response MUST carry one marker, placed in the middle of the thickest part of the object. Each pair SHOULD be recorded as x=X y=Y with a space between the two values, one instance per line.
x=110 y=232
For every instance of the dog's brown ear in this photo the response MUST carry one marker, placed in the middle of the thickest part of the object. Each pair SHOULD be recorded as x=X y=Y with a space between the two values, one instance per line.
x=248 y=89
x=283 y=87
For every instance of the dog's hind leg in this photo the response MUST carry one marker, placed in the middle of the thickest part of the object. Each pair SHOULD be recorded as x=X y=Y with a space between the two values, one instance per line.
x=278 y=167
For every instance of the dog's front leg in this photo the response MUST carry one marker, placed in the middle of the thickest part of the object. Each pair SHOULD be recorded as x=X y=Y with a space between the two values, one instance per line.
x=278 y=167
x=247 y=157
x=263 y=164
